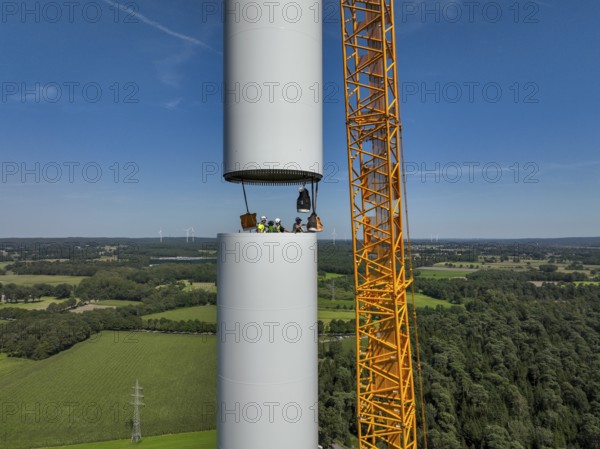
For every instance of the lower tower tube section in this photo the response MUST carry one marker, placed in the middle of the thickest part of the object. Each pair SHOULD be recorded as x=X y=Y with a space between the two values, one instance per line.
x=267 y=341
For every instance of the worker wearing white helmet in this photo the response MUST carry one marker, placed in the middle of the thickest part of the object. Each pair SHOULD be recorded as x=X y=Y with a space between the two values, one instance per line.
x=261 y=227
x=279 y=227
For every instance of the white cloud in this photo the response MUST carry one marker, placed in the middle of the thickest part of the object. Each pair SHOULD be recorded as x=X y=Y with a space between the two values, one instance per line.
x=173 y=104
x=168 y=68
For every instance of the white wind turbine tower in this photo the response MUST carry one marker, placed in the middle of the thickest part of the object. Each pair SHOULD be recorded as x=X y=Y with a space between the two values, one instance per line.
x=187 y=234
x=333 y=234
x=160 y=233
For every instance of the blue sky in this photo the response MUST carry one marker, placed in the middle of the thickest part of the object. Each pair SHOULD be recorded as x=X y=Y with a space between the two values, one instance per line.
x=110 y=124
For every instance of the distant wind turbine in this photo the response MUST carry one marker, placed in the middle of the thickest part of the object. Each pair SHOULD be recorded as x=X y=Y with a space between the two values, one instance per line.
x=333 y=235
x=187 y=234
x=160 y=233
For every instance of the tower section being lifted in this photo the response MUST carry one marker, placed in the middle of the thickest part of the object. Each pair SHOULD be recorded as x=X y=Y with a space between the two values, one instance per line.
x=273 y=92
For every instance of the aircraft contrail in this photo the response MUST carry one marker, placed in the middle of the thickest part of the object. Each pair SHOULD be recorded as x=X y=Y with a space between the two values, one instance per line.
x=160 y=27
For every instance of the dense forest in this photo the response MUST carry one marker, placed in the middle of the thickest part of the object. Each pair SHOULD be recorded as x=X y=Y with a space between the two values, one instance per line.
x=510 y=372
x=515 y=367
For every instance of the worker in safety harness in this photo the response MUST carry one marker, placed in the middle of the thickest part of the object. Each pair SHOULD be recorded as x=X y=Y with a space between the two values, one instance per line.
x=278 y=226
x=262 y=226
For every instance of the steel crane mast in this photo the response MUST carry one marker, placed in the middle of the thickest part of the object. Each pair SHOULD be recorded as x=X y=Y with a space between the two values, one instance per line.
x=385 y=384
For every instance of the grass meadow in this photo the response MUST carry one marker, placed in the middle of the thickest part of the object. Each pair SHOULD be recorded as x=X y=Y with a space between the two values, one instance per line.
x=443 y=273
x=116 y=303
x=422 y=300
x=207 y=314
x=327 y=315
x=332 y=275
x=83 y=394
x=190 y=440
x=31 y=279
x=9 y=365
x=209 y=286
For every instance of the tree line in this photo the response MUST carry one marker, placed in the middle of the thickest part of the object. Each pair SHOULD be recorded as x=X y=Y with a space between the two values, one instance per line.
x=135 y=270
x=64 y=268
x=13 y=293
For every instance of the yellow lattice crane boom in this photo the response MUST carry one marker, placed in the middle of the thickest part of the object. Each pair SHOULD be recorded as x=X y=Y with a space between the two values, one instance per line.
x=385 y=384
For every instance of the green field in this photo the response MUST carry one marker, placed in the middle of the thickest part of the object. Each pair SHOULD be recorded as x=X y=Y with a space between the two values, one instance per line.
x=116 y=303
x=193 y=440
x=516 y=266
x=422 y=300
x=38 y=305
x=209 y=286
x=349 y=343
x=443 y=273
x=82 y=394
x=30 y=279
x=9 y=365
x=335 y=304
x=207 y=314
x=332 y=276
x=327 y=315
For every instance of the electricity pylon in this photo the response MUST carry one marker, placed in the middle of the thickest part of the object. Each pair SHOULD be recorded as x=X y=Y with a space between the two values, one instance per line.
x=136 y=432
